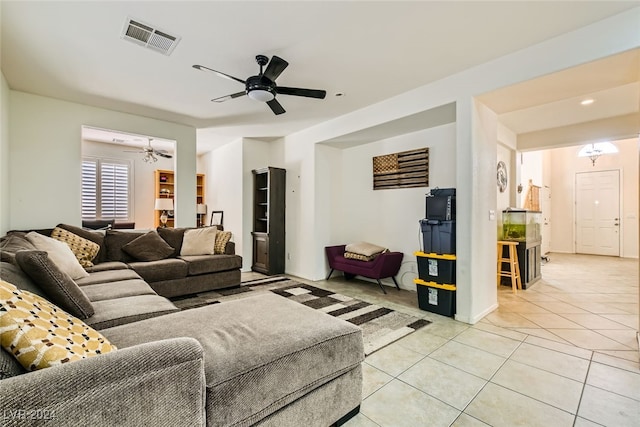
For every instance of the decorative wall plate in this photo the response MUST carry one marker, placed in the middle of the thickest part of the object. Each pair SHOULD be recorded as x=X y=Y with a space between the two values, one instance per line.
x=502 y=176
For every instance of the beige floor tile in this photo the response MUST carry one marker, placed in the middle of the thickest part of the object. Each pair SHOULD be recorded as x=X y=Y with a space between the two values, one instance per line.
x=360 y=421
x=599 y=308
x=632 y=355
x=500 y=407
x=631 y=308
x=555 y=390
x=521 y=306
x=585 y=338
x=509 y=320
x=504 y=332
x=465 y=420
x=552 y=361
x=549 y=321
x=623 y=336
x=447 y=328
x=472 y=360
x=422 y=341
x=537 y=297
x=393 y=359
x=594 y=321
x=373 y=379
x=608 y=409
x=630 y=320
x=581 y=422
x=542 y=333
x=619 y=381
x=606 y=359
x=563 y=348
x=436 y=379
x=560 y=307
x=398 y=404
x=488 y=341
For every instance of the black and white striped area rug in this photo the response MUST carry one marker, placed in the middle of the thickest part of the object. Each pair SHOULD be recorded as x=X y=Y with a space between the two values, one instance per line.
x=380 y=325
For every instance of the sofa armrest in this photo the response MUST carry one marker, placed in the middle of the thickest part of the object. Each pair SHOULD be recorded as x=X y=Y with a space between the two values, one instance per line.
x=389 y=264
x=156 y=383
x=230 y=248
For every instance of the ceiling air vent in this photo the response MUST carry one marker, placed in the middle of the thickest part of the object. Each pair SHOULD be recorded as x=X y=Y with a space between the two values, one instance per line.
x=147 y=36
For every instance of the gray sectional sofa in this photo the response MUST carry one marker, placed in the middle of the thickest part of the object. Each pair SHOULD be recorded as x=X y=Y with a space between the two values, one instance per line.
x=260 y=360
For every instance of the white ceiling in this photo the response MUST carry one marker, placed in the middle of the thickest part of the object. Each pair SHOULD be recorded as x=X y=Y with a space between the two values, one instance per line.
x=369 y=51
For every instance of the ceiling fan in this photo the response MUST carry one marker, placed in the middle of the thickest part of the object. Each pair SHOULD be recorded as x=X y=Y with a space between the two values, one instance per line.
x=263 y=87
x=150 y=153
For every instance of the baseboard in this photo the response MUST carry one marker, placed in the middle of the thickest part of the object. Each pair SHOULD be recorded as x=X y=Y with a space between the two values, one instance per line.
x=475 y=319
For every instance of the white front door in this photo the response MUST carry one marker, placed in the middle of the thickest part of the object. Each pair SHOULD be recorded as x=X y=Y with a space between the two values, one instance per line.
x=598 y=213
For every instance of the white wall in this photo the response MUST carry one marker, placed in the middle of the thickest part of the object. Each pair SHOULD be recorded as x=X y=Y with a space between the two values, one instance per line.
x=224 y=190
x=143 y=177
x=5 y=188
x=388 y=218
x=564 y=164
x=45 y=146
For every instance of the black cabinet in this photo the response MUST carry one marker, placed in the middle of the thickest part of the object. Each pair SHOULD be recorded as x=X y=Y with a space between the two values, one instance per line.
x=269 y=189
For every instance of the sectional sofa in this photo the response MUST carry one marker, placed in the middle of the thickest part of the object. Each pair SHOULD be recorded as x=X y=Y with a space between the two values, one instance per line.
x=260 y=360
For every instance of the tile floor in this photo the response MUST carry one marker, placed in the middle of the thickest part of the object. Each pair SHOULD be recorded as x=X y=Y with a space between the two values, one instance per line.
x=561 y=353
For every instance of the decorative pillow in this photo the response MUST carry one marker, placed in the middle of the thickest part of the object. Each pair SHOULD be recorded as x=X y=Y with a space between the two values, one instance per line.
x=95 y=236
x=85 y=250
x=353 y=255
x=39 y=334
x=59 y=253
x=222 y=238
x=115 y=240
x=199 y=241
x=148 y=247
x=58 y=286
x=173 y=236
x=364 y=248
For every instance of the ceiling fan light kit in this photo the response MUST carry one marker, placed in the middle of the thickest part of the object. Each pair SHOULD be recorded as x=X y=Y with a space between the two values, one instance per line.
x=263 y=87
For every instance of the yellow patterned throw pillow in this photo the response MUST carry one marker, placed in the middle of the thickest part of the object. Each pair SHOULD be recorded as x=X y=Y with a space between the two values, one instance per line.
x=222 y=238
x=85 y=250
x=40 y=335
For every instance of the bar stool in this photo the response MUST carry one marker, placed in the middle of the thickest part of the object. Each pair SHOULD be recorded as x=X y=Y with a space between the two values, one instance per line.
x=512 y=260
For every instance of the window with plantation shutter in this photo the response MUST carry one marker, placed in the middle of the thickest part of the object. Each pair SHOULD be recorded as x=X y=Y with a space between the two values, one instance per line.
x=106 y=189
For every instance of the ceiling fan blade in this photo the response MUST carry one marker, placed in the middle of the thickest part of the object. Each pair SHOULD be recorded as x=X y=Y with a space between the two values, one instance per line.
x=228 y=97
x=221 y=74
x=161 y=154
x=275 y=67
x=275 y=107
x=296 y=91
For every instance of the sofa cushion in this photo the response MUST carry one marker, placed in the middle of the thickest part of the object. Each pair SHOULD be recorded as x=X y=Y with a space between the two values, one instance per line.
x=202 y=264
x=359 y=257
x=41 y=335
x=199 y=241
x=84 y=249
x=120 y=311
x=120 y=289
x=95 y=236
x=173 y=236
x=12 y=243
x=253 y=367
x=148 y=247
x=59 y=253
x=164 y=269
x=9 y=365
x=108 y=265
x=106 y=276
x=60 y=288
x=222 y=237
x=115 y=240
x=13 y=274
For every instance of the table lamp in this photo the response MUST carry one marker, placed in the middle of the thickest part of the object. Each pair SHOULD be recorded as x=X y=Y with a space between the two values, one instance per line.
x=164 y=205
x=201 y=209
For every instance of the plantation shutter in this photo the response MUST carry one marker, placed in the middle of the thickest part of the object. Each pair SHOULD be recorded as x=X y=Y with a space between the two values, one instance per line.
x=105 y=189
x=114 y=197
x=89 y=189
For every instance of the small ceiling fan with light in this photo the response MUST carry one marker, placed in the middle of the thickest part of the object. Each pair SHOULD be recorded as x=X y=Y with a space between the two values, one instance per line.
x=150 y=153
x=263 y=87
